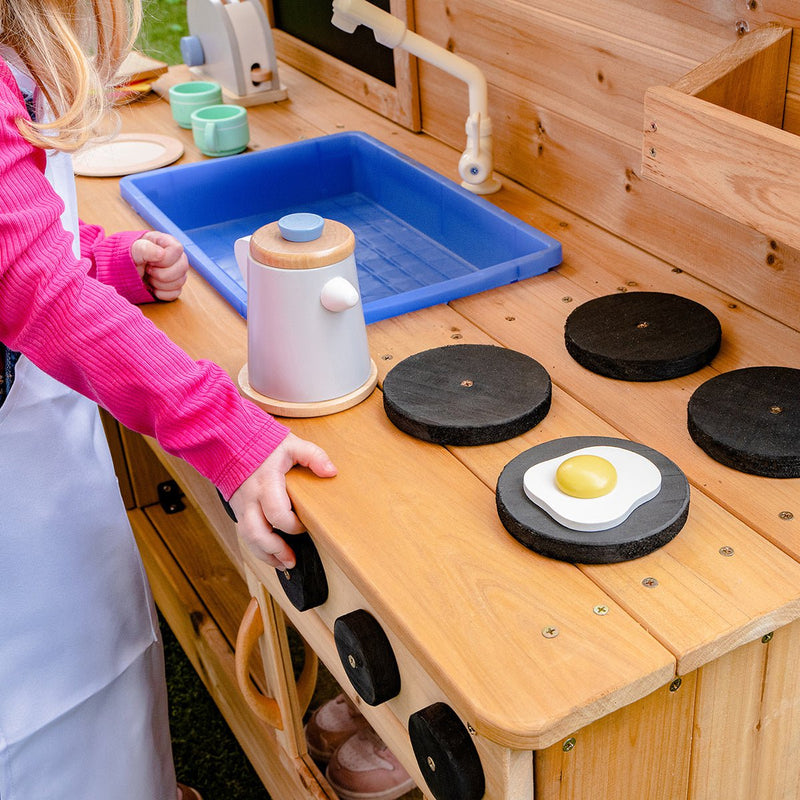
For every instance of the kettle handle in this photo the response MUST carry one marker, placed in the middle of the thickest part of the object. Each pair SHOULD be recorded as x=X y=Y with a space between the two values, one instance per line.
x=241 y=249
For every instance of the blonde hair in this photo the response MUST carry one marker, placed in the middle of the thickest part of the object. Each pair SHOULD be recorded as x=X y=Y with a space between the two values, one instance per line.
x=72 y=49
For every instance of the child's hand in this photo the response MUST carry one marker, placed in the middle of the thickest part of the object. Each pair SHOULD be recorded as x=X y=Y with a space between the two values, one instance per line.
x=161 y=262
x=261 y=502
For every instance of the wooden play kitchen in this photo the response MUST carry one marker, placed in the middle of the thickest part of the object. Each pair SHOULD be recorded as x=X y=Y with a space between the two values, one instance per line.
x=502 y=672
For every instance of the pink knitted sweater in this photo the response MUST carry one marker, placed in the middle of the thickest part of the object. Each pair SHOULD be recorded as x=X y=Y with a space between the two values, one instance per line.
x=65 y=317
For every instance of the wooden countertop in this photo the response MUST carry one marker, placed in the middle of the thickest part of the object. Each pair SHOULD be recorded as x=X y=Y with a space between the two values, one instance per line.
x=414 y=525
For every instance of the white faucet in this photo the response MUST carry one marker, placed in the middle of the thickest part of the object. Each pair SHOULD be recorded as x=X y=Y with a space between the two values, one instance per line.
x=475 y=165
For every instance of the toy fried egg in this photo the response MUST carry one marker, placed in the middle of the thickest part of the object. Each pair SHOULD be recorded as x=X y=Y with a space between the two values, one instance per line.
x=594 y=488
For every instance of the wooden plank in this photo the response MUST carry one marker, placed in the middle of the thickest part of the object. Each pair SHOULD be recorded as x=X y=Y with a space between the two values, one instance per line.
x=747 y=709
x=144 y=468
x=747 y=78
x=112 y=431
x=691 y=30
x=203 y=496
x=726 y=725
x=642 y=750
x=737 y=166
x=776 y=774
x=541 y=57
x=399 y=104
x=212 y=657
x=214 y=578
x=278 y=670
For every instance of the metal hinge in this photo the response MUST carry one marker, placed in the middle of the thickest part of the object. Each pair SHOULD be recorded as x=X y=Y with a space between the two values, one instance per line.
x=169 y=497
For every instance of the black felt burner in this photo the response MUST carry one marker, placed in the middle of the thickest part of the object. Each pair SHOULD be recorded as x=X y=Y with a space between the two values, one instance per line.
x=642 y=336
x=467 y=394
x=749 y=419
x=649 y=527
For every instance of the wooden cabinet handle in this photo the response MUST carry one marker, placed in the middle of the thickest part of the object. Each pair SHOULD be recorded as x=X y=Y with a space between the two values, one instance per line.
x=266 y=708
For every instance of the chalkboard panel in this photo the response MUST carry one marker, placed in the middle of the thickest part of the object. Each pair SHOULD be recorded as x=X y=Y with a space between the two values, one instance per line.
x=310 y=21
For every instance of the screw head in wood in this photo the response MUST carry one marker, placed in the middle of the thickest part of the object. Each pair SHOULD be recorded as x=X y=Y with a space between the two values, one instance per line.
x=569 y=744
x=550 y=632
x=649 y=582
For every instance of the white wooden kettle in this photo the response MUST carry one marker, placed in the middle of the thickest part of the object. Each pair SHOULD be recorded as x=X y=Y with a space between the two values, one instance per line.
x=307 y=352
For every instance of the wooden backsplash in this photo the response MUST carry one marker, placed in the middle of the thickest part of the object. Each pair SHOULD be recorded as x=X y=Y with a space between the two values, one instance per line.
x=567 y=80
x=566 y=85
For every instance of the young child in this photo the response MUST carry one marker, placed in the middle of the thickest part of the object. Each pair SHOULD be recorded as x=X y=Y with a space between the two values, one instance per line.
x=82 y=693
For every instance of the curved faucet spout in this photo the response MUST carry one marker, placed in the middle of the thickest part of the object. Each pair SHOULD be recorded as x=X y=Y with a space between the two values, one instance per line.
x=475 y=165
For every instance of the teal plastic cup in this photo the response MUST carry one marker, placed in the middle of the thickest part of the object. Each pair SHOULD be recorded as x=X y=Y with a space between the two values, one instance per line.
x=186 y=98
x=220 y=130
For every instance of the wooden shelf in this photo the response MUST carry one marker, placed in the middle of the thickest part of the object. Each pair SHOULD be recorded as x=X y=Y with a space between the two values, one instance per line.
x=727 y=134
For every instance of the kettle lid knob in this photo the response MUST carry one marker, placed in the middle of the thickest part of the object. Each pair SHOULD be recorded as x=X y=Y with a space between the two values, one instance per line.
x=301 y=227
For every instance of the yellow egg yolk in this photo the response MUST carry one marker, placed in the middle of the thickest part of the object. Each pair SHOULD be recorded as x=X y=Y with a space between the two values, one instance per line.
x=586 y=476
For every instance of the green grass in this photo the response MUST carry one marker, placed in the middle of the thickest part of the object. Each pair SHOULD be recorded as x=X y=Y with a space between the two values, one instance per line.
x=163 y=25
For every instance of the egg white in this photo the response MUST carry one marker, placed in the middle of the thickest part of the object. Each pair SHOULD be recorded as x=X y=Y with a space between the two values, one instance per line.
x=638 y=480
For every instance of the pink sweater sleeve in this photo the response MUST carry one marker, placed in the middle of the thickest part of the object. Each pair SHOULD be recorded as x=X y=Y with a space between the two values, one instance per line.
x=111 y=261
x=89 y=337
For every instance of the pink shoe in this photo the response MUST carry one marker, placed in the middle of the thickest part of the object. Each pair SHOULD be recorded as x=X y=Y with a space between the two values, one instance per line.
x=331 y=725
x=364 y=768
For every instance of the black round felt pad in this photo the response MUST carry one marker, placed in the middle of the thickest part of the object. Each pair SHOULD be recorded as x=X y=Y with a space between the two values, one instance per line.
x=749 y=419
x=642 y=336
x=467 y=394
x=649 y=527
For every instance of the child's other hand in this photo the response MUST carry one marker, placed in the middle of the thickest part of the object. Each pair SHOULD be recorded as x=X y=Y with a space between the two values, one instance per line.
x=161 y=262
x=261 y=502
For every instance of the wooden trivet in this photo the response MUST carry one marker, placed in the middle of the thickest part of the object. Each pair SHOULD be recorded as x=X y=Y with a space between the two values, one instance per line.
x=649 y=527
x=749 y=419
x=286 y=408
x=642 y=336
x=467 y=394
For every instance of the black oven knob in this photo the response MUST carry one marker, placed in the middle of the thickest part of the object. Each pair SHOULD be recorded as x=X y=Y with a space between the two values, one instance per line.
x=367 y=657
x=305 y=583
x=446 y=754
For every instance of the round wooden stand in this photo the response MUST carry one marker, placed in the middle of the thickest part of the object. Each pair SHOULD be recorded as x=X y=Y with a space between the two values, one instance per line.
x=467 y=394
x=749 y=419
x=642 y=336
x=649 y=527
x=284 y=408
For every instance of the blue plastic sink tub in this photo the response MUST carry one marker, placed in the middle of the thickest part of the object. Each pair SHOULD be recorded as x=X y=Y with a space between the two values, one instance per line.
x=420 y=238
